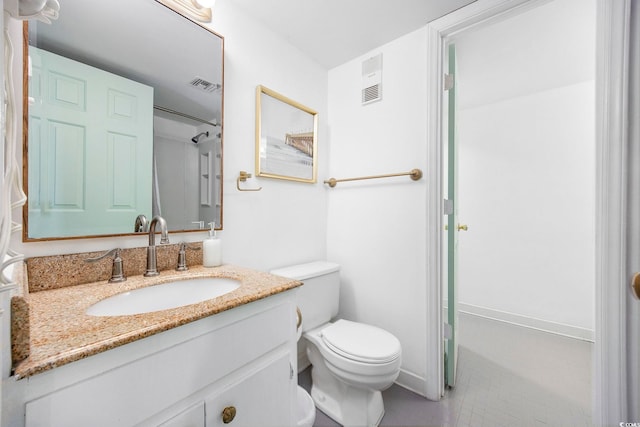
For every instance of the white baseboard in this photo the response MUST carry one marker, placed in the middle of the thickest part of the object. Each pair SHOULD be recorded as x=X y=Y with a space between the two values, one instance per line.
x=411 y=382
x=529 y=322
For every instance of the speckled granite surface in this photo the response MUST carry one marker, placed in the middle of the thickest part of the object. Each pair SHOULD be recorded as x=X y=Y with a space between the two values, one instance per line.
x=61 y=332
x=20 y=328
x=57 y=271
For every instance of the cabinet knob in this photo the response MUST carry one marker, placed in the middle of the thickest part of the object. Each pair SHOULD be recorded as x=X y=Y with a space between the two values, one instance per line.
x=228 y=414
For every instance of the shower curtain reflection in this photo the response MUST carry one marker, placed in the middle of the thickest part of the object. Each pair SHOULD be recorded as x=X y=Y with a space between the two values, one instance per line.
x=186 y=178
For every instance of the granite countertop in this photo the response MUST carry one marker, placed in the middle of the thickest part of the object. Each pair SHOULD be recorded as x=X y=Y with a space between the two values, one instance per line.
x=61 y=332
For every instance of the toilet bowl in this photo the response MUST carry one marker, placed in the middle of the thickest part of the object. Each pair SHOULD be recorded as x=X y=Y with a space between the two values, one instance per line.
x=351 y=362
x=305 y=409
x=347 y=379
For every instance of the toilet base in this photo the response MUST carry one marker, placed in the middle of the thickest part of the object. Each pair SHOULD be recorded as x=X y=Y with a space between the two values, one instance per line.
x=347 y=405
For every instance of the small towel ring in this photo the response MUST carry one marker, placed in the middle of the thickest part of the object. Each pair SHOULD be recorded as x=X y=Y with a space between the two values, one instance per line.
x=244 y=175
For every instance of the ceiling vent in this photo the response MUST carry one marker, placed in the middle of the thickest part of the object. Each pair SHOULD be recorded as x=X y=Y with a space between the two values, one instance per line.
x=372 y=79
x=203 y=85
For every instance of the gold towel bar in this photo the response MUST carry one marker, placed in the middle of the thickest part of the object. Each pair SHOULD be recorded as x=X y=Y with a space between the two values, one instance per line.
x=415 y=175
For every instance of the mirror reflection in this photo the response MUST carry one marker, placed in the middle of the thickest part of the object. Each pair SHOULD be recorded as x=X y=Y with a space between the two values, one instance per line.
x=124 y=121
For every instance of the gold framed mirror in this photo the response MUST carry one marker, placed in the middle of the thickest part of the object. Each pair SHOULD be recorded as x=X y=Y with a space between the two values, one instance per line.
x=286 y=138
x=84 y=180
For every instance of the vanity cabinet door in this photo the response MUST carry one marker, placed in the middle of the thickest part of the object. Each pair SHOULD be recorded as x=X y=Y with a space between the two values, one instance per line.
x=258 y=397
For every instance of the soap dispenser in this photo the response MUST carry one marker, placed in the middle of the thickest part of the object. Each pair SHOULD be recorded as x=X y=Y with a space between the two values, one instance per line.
x=212 y=249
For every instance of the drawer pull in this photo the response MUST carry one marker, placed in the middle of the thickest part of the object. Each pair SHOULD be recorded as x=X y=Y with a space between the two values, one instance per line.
x=635 y=285
x=228 y=414
x=298 y=318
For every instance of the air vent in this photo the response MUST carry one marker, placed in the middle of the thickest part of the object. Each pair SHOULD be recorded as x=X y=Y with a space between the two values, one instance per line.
x=203 y=85
x=372 y=79
x=370 y=94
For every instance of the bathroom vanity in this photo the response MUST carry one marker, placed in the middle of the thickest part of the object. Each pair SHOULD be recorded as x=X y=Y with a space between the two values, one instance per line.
x=231 y=359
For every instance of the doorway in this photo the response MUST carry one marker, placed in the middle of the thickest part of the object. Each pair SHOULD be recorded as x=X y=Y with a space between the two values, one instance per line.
x=538 y=165
x=613 y=392
x=525 y=110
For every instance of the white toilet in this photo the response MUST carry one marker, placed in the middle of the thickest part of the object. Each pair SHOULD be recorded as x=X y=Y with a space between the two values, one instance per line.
x=352 y=362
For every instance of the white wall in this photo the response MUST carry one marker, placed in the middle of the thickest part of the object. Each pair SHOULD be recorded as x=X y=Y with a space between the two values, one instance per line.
x=286 y=221
x=376 y=229
x=526 y=138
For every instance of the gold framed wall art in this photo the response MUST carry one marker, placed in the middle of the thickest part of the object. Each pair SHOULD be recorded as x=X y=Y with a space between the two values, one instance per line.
x=286 y=138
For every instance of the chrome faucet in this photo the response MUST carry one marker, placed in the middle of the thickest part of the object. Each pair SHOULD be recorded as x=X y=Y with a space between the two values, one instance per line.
x=141 y=224
x=152 y=260
x=117 y=269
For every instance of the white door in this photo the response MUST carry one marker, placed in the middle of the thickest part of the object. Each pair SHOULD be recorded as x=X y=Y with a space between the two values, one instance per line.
x=452 y=228
x=89 y=160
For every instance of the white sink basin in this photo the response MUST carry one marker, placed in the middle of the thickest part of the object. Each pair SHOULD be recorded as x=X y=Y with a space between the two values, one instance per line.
x=163 y=296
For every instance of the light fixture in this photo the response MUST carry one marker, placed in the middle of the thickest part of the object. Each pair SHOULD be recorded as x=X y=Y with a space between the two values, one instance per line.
x=205 y=3
x=196 y=10
x=42 y=10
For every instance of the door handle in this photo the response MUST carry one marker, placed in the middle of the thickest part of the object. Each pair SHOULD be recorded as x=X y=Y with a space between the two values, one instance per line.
x=635 y=285
x=460 y=227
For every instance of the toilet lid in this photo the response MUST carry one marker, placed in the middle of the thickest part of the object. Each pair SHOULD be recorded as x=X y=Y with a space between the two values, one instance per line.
x=360 y=342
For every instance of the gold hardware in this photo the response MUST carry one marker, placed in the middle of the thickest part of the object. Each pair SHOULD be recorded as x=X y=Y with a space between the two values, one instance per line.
x=414 y=174
x=299 y=316
x=269 y=100
x=228 y=414
x=243 y=178
x=635 y=285
x=460 y=227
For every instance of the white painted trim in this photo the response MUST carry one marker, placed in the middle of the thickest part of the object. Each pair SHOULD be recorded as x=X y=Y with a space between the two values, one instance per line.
x=612 y=47
x=633 y=211
x=434 y=381
x=438 y=32
x=411 y=381
x=563 y=329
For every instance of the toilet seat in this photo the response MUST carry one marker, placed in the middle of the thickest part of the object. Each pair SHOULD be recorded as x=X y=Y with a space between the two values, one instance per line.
x=361 y=342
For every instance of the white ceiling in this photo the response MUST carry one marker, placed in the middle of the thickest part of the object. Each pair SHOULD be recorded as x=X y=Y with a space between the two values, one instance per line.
x=333 y=32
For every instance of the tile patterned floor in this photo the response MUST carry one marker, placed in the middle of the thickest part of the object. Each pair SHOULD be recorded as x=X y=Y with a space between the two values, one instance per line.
x=507 y=376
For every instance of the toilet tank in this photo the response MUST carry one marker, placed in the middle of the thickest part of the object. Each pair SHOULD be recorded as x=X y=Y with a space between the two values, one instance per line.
x=318 y=297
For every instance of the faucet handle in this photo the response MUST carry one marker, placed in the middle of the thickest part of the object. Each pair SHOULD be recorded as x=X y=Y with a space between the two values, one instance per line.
x=182 y=256
x=141 y=224
x=117 y=270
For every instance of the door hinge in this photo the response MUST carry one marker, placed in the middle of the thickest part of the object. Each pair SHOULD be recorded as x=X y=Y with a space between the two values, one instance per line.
x=447 y=207
x=449 y=81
